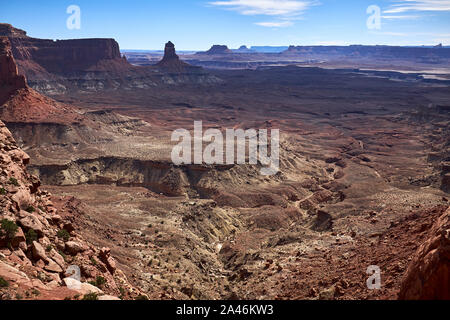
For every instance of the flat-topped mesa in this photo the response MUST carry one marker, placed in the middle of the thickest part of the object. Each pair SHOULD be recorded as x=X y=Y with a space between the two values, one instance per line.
x=62 y=56
x=171 y=60
x=10 y=80
x=219 y=49
x=419 y=54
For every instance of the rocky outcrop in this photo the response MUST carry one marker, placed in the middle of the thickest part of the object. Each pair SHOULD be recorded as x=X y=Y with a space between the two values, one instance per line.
x=8 y=30
x=428 y=275
x=171 y=61
x=10 y=80
x=37 y=247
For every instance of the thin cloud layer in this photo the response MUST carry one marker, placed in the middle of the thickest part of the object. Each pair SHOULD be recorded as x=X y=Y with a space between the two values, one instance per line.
x=285 y=11
x=419 y=5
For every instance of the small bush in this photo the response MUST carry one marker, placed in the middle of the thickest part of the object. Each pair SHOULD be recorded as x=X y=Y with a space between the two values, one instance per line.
x=99 y=282
x=8 y=228
x=122 y=293
x=141 y=297
x=30 y=209
x=63 y=234
x=3 y=191
x=49 y=248
x=90 y=296
x=93 y=261
x=3 y=283
x=31 y=236
x=14 y=182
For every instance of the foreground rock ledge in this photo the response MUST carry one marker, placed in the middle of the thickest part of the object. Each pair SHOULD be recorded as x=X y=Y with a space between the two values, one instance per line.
x=428 y=276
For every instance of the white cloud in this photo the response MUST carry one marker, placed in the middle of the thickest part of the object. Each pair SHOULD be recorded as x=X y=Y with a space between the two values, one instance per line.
x=284 y=10
x=397 y=17
x=419 y=5
x=275 y=24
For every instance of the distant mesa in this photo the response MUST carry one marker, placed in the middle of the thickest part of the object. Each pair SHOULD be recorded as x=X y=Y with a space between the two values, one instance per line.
x=219 y=49
x=439 y=45
x=243 y=49
x=419 y=54
x=171 y=60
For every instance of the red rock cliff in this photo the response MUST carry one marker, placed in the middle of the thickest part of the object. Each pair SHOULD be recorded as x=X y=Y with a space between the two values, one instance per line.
x=61 y=56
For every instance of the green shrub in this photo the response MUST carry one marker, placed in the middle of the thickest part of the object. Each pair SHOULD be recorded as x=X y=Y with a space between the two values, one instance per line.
x=49 y=248
x=14 y=182
x=3 y=283
x=63 y=234
x=31 y=236
x=2 y=191
x=30 y=209
x=8 y=228
x=122 y=293
x=141 y=297
x=99 y=282
x=90 y=296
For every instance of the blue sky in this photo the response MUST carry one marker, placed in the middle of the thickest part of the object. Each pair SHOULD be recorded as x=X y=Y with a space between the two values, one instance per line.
x=198 y=24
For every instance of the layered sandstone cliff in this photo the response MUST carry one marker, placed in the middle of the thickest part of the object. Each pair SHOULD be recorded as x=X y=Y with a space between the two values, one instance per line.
x=61 y=56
